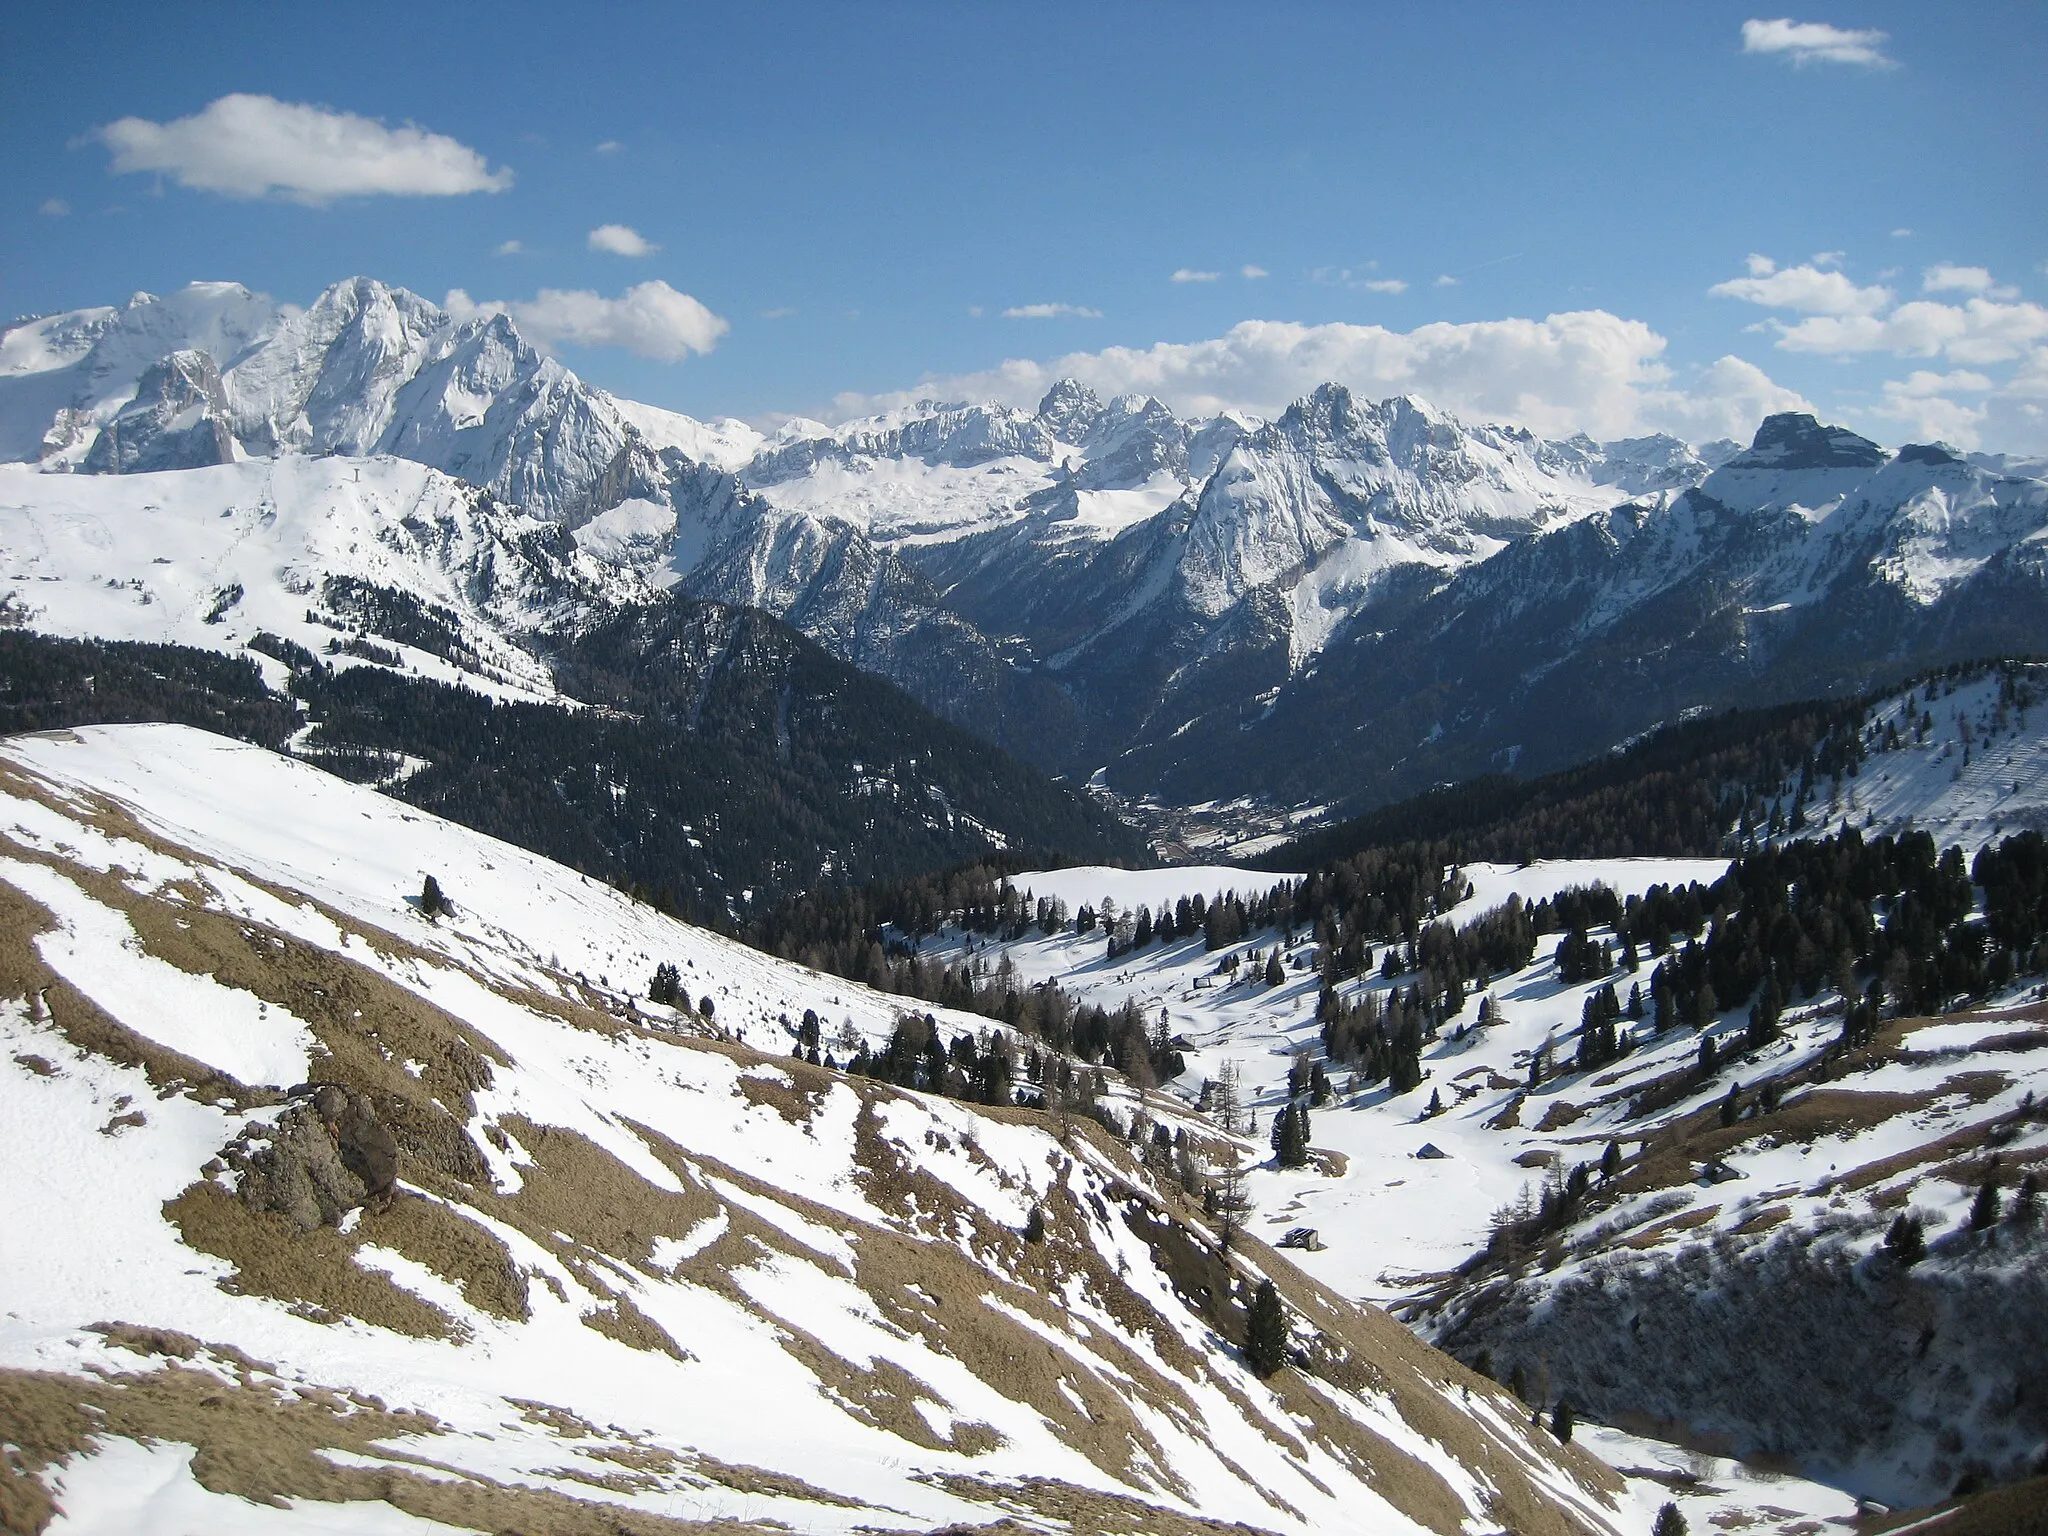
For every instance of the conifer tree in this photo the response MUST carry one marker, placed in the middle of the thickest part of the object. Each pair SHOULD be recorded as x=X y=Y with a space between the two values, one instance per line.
x=1265 y=1334
x=1905 y=1241
x=1669 y=1522
x=432 y=902
x=1562 y=1419
x=1984 y=1209
x=1034 y=1225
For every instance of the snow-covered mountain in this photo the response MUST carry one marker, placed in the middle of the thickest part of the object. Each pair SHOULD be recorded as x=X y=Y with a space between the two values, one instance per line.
x=366 y=369
x=408 y=1217
x=1814 y=563
x=1195 y=608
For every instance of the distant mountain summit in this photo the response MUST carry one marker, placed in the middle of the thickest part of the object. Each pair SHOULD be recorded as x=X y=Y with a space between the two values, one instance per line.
x=1193 y=608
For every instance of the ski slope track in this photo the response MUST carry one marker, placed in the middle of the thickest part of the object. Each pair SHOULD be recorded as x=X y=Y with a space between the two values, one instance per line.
x=626 y=1267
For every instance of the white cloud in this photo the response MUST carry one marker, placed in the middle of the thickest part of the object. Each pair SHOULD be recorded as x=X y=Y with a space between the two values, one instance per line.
x=608 y=147
x=510 y=248
x=1902 y=233
x=1051 y=312
x=1589 y=369
x=1444 y=280
x=1946 y=277
x=621 y=240
x=1252 y=272
x=1925 y=413
x=1189 y=275
x=1977 y=332
x=54 y=207
x=780 y=312
x=1827 y=258
x=1384 y=285
x=1815 y=42
x=1759 y=266
x=254 y=146
x=1804 y=288
x=651 y=319
x=1921 y=384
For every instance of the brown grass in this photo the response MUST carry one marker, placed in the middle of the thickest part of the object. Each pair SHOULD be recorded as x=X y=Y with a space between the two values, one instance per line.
x=314 y=1271
x=261 y=1440
x=1560 y=1114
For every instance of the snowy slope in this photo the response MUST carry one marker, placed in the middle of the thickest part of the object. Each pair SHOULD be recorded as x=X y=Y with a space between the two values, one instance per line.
x=1963 y=757
x=628 y=1266
x=211 y=557
x=1831 y=1167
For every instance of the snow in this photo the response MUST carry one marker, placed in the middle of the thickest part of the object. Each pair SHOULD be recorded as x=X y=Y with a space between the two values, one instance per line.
x=150 y=1490
x=97 y=1152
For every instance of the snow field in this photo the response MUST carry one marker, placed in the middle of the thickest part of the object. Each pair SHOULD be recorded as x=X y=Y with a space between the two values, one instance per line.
x=778 y=1203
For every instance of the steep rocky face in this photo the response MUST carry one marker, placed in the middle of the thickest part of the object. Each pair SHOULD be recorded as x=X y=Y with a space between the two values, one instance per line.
x=177 y=420
x=1814 y=563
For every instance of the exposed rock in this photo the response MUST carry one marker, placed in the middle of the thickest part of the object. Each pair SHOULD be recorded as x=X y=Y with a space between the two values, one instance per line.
x=322 y=1158
x=177 y=420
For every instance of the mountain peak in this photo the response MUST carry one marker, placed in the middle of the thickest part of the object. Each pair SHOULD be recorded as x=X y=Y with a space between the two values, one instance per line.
x=1068 y=409
x=1795 y=440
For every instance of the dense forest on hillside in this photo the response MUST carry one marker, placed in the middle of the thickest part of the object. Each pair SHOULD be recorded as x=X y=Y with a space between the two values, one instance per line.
x=1678 y=792
x=47 y=684
x=734 y=765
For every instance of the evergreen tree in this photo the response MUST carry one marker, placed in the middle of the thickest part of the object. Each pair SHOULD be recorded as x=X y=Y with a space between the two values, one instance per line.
x=1290 y=1137
x=1034 y=1225
x=1265 y=1333
x=1610 y=1160
x=432 y=902
x=1275 y=972
x=2025 y=1200
x=1669 y=1522
x=1905 y=1241
x=1984 y=1209
x=1562 y=1420
x=666 y=986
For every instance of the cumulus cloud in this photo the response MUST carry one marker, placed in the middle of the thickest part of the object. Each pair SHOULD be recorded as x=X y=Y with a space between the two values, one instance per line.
x=1190 y=275
x=1923 y=410
x=1384 y=285
x=1051 y=312
x=256 y=146
x=621 y=240
x=1586 y=370
x=1946 y=277
x=650 y=319
x=1815 y=42
x=1902 y=233
x=1444 y=280
x=1807 y=289
x=510 y=248
x=1253 y=272
x=608 y=147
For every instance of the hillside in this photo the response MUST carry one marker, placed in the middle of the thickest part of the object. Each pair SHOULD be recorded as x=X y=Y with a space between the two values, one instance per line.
x=543 y=1254
x=1952 y=754
x=1634 y=1134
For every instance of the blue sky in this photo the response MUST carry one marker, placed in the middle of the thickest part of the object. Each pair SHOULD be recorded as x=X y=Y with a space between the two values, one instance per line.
x=863 y=200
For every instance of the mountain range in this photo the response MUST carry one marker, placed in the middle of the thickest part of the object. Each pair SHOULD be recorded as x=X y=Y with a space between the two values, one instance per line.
x=1186 y=610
